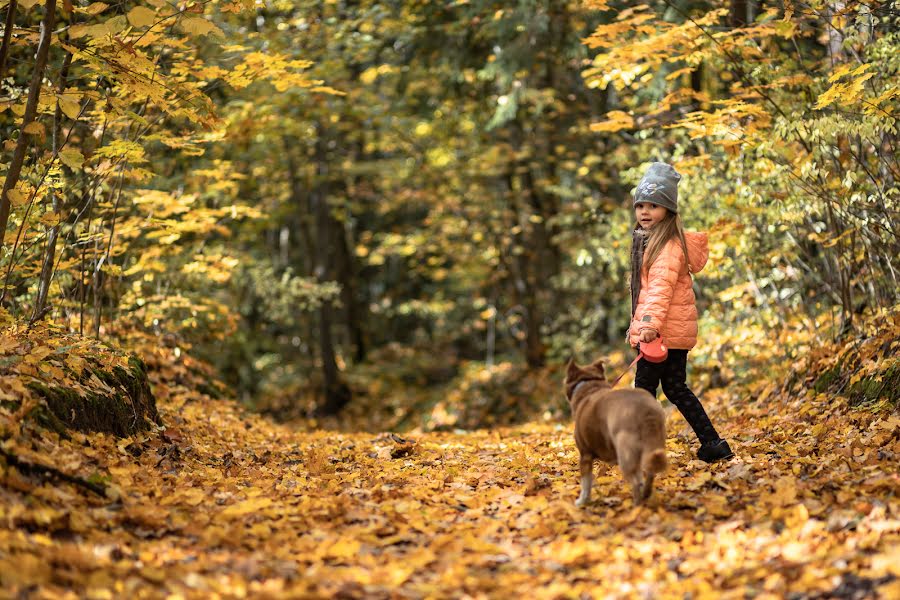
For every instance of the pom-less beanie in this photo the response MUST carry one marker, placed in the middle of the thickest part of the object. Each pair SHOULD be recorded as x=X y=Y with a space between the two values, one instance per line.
x=659 y=185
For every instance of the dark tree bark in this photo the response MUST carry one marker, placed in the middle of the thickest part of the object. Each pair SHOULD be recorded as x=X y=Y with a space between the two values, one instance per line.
x=347 y=278
x=53 y=234
x=337 y=393
x=34 y=92
x=739 y=12
x=697 y=86
x=526 y=277
x=7 y=36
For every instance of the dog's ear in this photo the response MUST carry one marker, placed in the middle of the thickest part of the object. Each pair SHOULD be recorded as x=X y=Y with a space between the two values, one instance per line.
x=598 y=364
x=572 y=370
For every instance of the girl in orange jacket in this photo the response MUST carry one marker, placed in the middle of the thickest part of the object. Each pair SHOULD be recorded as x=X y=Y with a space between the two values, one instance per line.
x=663 y=257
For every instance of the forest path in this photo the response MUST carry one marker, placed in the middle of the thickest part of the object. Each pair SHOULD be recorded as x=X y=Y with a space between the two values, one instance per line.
x=232 y=504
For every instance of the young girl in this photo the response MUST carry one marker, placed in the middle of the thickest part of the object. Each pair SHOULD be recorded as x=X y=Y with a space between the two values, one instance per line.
x=663 y=257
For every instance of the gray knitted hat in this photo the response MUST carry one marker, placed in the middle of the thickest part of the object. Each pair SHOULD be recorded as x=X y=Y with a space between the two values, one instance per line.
x=659 y=186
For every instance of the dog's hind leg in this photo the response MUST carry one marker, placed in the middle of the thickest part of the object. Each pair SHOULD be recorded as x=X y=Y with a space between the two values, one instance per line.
x=648 y=486
x=653 y=462
x=586 y=466
x=628 y=449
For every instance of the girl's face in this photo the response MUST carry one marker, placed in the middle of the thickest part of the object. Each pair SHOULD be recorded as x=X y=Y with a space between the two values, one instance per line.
x=649 y=214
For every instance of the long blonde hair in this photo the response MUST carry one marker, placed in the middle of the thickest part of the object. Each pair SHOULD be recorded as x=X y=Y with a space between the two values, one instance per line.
x=670 y=227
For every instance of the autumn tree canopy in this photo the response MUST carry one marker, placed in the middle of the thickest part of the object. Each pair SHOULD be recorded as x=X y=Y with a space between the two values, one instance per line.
x=298 y=189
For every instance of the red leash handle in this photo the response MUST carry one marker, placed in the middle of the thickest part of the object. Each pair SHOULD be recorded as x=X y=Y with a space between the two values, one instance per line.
x=656 y=353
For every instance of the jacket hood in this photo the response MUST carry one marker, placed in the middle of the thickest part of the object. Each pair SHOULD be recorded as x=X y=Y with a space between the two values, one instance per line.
x=697 y=248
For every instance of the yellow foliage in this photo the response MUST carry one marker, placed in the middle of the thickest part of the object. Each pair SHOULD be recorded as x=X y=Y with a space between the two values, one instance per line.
x=848 y=92
x=616 y=120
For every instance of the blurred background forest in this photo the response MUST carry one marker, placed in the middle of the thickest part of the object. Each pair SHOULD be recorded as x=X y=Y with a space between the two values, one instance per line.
x=411 y=212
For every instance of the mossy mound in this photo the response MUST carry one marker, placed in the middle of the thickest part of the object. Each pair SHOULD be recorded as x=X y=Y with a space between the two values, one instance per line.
x=130 y=406
x=61 y=382
x=863 y=371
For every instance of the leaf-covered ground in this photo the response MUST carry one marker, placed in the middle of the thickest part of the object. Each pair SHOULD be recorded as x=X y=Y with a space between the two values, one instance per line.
x=231 y=504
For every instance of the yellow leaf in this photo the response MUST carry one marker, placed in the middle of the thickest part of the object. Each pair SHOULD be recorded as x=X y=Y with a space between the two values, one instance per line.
x=833 y=93
x=616 y=120
x=342 y=548
x=123 y=149
x=369 y=75
x=324 y=89
x=246 y=507
x=109 y=27
x=34 y=128
x=199 y=26
x=70 y=105
x=232 y=7
x=192 y=496
x=679 y=73
x=141 y=16
x=77 y=31
x=52 y=370
x=95 y=8
x=38 y=354
x=76 y=363
x=50 y=219
x=16 y=197
x=72 y=158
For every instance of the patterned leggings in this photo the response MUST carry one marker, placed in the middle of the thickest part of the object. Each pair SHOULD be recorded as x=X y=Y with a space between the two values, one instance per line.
x=672 y=373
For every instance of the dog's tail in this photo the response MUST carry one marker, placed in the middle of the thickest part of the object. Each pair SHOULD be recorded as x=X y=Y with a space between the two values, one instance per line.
x=653 y=461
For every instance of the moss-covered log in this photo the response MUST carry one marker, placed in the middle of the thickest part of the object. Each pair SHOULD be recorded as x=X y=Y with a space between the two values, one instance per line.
x=129 y=408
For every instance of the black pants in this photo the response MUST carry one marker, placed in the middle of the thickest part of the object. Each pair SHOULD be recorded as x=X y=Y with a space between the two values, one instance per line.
x=672 y=373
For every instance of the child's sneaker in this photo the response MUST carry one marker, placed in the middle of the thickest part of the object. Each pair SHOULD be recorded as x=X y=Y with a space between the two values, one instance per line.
x=714 y=451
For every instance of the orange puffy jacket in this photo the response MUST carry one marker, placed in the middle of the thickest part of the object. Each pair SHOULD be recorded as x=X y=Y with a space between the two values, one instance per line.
x=666 y=302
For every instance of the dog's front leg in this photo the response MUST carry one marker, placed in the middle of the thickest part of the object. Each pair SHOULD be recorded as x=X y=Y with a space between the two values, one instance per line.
x=586 y=466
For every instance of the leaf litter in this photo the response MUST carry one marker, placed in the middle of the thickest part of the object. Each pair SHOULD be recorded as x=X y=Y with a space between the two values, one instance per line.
x=223 y=502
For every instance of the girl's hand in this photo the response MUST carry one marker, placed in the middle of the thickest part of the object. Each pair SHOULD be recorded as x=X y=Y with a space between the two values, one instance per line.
x=648 y=335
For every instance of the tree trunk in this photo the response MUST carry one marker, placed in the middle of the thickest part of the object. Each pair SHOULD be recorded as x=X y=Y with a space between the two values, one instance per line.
x=697 y=87
x=527 y=260
x=738 y=13
x=7 y=36
x=53 y=234
x=303 y=215
x=347 y=279
x=18 y=158
x=835 y=37
x=337 y=393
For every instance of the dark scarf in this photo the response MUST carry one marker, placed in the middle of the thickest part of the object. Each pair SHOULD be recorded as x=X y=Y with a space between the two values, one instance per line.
x=639 y=239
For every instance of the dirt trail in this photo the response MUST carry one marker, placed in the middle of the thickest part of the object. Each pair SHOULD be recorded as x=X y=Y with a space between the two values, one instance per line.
x=231 y=504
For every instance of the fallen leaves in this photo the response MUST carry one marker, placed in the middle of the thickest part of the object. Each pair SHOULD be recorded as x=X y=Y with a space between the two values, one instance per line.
x=225 y=503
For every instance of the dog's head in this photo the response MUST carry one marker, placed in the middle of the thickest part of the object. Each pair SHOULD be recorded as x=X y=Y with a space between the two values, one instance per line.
x=576 y=374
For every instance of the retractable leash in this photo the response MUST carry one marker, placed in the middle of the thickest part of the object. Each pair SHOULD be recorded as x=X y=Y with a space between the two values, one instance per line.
x=655 y=352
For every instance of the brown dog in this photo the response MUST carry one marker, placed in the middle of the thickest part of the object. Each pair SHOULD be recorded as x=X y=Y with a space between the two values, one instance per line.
x=627 y=426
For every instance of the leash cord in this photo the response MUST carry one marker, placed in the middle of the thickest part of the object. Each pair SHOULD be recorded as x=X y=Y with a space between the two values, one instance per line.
x=634 y=362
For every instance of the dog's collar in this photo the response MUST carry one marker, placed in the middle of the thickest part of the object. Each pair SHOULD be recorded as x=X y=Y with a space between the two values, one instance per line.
x=582 y=382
